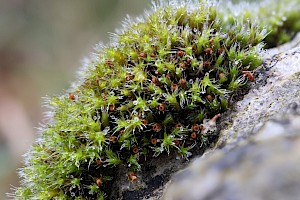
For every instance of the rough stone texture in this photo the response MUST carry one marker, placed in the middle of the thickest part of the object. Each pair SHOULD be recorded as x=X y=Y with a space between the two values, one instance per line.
x=275 y=90
x=265 y=168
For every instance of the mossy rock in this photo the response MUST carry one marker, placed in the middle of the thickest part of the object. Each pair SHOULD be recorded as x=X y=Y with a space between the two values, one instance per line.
x=147 y=94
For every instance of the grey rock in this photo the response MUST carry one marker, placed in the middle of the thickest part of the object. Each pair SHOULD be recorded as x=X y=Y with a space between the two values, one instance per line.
x=264 y=168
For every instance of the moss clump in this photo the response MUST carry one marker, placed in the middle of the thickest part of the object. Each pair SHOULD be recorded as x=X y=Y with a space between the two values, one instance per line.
x=284 y=21
x=146 y=93
x=279 y=17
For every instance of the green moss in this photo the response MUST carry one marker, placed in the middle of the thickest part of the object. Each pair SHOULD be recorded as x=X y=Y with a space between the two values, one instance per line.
x=284 y=23
x=279 y=17
x=144 y=95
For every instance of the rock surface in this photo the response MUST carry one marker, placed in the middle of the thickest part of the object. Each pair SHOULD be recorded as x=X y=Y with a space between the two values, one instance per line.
x=265 y=168
x=237 y=170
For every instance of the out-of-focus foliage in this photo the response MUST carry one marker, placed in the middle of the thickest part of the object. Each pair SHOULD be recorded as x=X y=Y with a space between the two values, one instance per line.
x=279 y=17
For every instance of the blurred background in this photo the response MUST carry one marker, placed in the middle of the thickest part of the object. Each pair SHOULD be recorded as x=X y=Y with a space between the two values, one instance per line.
x=41 y=47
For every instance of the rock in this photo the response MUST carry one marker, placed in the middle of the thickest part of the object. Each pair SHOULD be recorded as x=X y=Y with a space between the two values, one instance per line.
x=265 y=168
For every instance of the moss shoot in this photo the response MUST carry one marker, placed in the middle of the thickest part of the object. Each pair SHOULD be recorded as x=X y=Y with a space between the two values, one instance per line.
x=146 y=94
